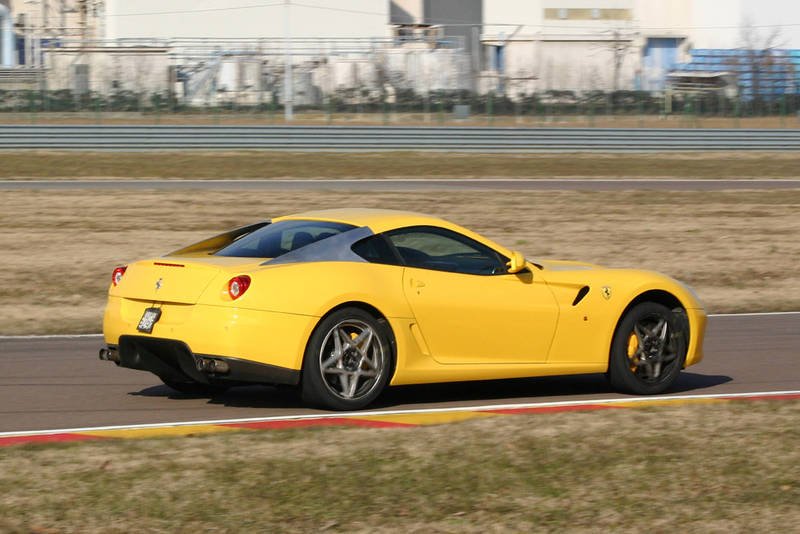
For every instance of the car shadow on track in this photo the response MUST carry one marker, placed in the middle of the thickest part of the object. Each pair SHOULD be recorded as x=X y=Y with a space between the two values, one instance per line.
x=561 y=388
x=255 y=396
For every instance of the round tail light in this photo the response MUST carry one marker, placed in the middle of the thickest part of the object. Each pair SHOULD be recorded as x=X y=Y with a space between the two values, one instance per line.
x=116 y=276
x=238 y=285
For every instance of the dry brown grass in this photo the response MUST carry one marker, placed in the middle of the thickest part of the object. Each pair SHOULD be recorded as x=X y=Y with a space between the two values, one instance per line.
x=738 y=249
x=264 y=165
x=730 y=467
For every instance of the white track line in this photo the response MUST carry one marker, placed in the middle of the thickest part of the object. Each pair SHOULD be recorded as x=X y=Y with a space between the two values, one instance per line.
x=69 y=336
x=349 y=415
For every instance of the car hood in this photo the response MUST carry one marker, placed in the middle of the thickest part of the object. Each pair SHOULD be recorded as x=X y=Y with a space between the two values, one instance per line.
x=561 y=265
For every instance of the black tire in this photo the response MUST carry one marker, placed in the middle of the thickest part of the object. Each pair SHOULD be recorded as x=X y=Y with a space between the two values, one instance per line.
x=329 y=369
x=645 y=359
x=195 y=388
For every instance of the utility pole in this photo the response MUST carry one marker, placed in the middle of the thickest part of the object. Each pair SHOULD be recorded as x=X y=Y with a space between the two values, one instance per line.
x=288 y=97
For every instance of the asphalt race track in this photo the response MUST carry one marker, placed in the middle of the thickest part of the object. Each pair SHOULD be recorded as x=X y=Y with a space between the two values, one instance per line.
x=58 y=382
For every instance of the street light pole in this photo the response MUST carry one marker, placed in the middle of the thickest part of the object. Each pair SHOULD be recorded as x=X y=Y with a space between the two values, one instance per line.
x=288 y=97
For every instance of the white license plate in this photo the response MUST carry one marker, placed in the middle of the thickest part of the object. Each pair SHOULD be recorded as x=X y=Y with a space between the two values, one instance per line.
x=149 y=318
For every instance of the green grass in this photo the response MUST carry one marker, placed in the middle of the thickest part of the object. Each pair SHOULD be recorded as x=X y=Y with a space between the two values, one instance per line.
x=726 y=467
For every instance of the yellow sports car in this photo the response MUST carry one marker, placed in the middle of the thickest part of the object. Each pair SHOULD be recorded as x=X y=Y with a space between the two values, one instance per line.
x=343 y=302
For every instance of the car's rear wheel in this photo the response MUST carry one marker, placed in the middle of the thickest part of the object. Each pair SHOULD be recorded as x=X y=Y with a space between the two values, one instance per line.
x=347 y=361
x=648 y=350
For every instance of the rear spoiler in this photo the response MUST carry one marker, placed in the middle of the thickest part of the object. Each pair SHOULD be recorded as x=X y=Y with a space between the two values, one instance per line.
x=220 y=241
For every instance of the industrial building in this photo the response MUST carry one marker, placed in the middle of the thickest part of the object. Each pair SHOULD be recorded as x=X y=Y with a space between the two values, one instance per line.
x=209 y=51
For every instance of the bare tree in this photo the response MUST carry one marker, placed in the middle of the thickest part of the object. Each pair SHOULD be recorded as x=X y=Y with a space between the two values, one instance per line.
x=760 y=57
x=619 y=46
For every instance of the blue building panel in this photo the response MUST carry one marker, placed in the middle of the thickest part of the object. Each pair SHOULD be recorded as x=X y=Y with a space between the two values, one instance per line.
x=660 y=57
x=775 y=72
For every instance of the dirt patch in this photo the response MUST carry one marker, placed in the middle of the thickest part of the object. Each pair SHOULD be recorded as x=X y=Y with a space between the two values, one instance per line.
x=708 y=468
x=738 y=249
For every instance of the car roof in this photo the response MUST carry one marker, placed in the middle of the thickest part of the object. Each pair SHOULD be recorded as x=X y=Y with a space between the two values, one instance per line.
x=383 y=220
x=378 y=220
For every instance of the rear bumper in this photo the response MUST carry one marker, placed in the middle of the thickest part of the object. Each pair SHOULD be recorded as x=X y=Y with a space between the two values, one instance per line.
x=263 y=337
x=172 y=360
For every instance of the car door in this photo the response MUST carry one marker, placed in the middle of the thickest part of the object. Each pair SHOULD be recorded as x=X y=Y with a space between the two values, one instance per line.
x=468 y=308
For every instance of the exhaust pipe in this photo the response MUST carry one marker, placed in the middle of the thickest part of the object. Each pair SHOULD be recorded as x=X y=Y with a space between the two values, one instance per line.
x=109 y=354
x=212 y=366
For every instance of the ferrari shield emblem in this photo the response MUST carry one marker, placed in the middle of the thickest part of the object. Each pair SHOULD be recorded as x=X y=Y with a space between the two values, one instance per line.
x=606 y=291
x=159 y=282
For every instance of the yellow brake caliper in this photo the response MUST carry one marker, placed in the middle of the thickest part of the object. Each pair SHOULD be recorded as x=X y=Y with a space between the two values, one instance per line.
x=633 y=346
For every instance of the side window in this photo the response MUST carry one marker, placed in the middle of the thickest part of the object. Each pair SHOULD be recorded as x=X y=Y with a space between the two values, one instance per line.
x=429 y=247
x=375 y=249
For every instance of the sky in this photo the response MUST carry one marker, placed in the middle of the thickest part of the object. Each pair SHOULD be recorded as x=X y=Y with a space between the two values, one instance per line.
x=718 y=21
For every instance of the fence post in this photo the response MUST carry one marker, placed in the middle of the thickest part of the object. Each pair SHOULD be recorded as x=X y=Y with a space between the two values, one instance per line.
x=157 y=105
x=698 y=105
x=329 y=110
x=97 y=116
x=783 y=111
x=31 y=99
x=640 y=110
x=490 y=107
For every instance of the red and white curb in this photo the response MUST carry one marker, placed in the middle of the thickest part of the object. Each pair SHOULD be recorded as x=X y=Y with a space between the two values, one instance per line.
x=373 y=419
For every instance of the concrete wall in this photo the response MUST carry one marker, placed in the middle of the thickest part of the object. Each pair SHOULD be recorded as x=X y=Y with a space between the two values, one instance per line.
x=545 y=48
x=406 y=11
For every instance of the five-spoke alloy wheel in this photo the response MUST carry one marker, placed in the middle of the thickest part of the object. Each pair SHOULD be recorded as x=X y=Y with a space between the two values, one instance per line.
x=648 y=350
x=347 y=361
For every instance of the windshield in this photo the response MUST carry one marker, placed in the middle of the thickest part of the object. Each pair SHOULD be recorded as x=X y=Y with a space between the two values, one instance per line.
x=276 y=239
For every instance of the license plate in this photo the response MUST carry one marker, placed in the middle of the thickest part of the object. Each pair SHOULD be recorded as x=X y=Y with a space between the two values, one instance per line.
x=149 y=318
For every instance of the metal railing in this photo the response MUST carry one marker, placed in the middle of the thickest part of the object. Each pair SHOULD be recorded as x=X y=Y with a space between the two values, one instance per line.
x=377 y=138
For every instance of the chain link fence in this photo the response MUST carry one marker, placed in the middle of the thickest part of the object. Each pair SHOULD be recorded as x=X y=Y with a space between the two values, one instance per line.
x=337 y=81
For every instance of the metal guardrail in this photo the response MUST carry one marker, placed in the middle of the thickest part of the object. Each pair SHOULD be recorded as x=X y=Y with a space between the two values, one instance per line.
x=377 y=138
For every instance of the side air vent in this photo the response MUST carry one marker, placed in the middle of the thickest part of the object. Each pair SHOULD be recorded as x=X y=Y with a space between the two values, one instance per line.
x=582 y=292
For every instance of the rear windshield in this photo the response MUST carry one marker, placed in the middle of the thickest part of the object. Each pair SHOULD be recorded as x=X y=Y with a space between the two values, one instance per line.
x=281 y=237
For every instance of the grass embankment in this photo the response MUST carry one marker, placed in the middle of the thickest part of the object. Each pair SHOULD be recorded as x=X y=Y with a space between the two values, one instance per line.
x=739 y=249
x=265 y=165
x=730 y=467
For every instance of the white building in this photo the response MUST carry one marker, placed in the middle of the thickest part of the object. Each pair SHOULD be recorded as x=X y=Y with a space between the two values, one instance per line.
x=213 y=47
x=539 y=45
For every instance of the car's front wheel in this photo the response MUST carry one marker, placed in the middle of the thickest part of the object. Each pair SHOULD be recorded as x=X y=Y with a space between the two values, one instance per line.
x=347 y=361
x=648 y=350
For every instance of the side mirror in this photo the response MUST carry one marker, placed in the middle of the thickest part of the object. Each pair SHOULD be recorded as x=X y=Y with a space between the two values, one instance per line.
x=516 y=263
